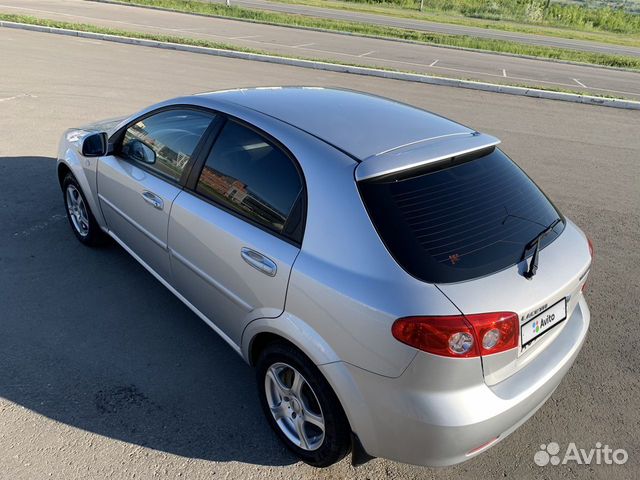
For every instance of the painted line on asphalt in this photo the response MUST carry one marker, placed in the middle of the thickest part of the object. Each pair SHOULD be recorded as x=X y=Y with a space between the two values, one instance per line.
x=433 y=64
x=250 y=38
x=504 y=73
x=366 y=53
x=375 y=37
x=580 y=83
x=334 y=67
x=242 y=37
x=301 y=45
x=15 y=97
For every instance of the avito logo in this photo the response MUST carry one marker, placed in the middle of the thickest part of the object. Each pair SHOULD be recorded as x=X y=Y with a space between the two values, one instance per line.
x=538 y=324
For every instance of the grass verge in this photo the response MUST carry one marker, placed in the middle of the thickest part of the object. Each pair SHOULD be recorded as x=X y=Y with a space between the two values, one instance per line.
x=460 y=41
x=85 y=27
x=455 y=18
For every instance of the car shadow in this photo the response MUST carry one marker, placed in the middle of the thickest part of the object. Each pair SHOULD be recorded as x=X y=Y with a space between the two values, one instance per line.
x=90 y=339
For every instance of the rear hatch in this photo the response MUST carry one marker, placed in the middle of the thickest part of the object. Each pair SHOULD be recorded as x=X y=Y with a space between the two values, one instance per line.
x=464 y=223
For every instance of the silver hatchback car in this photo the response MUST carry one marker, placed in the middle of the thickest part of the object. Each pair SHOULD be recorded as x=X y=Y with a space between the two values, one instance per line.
x=403 y=289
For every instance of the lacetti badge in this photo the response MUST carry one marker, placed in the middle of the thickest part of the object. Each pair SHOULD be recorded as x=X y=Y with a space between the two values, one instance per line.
x=535 y=312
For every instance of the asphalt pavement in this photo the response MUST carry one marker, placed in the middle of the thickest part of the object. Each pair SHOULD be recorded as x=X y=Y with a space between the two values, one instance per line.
x=104 y=374
x=422 y=25
x=342 y=48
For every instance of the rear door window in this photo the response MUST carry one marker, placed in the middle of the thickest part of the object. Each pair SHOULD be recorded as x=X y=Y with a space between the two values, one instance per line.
x=466 y=218
x=249 y=175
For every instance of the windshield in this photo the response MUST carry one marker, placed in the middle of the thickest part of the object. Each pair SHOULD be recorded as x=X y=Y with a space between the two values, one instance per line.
x=467 y=218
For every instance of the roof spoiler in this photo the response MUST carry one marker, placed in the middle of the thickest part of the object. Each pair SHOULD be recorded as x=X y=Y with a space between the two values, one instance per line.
x=422 y=153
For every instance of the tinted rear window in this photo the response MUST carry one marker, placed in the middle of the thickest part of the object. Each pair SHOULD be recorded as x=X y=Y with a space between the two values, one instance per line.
x=464 y=219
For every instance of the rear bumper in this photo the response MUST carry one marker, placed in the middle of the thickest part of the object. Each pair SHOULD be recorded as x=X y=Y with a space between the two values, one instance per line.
x=438 y=411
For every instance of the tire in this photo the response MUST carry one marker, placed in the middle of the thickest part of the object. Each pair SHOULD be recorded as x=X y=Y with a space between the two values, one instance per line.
x=277 y=368
x=81 y=219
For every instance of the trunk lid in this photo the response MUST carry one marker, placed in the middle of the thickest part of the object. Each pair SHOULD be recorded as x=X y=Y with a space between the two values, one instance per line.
x=563 y=268
x=471 y=222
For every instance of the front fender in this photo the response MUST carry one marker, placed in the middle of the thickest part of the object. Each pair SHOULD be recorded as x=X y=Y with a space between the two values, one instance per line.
x=83 y=169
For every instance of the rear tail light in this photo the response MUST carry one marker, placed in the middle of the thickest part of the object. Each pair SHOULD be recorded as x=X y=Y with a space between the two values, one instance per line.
x=459 y=335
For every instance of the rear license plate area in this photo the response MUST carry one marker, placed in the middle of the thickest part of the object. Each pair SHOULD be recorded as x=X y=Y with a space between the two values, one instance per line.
x=534 y=329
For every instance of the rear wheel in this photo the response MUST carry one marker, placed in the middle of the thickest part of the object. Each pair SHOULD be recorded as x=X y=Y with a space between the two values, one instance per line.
x=82 y=221
x=301 y=407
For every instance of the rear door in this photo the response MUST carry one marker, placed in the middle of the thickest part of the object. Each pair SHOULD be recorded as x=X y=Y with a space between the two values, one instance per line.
x=139 y=182
x=236 y=231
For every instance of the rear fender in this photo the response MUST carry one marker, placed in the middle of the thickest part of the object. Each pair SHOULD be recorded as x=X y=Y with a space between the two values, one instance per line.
x=336 y=372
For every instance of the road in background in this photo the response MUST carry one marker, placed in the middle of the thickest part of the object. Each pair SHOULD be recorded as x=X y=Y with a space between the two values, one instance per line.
x=422 y=25
x=342 y=48
x=106 y=375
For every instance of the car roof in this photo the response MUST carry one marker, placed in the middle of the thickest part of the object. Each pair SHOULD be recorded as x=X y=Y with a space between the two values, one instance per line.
x=359 y=124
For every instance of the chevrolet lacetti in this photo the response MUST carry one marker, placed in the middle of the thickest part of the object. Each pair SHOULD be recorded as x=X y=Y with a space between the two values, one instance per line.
x=402 y=288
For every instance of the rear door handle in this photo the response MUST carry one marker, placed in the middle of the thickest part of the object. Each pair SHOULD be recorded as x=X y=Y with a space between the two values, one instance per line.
x=259 y=261
x=152 y=199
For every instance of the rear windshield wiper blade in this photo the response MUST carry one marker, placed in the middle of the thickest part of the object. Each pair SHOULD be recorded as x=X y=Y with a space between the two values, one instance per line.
x=533 y=265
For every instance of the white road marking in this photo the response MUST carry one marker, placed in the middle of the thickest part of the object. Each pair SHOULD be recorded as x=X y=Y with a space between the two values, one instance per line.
x=433 y=64
x=504 y=72
x=366 y=53
x=302 y=45
x=40 y=226
x=6 y=99
x=236 y=38
x=580 y=83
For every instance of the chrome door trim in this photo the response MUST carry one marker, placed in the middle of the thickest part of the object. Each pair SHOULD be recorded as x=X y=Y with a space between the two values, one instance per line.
x=211 y=281
x=133 y=223
x=258 y=261
x=202 y=316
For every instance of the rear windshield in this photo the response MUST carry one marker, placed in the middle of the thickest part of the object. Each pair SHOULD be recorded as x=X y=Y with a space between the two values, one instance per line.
x=465 y=218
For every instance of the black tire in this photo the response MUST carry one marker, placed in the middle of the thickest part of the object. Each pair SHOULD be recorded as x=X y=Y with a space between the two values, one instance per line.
x=94 y=235
x=336 y=443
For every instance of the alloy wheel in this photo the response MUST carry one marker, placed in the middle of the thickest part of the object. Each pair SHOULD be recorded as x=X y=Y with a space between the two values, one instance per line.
x=294 y=406
x=77 y=211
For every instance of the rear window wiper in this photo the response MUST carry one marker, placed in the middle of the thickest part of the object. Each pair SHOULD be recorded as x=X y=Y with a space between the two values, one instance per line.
x=533 y=265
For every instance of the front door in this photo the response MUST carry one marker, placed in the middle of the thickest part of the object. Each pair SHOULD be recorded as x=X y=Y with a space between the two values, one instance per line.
x=139 y=182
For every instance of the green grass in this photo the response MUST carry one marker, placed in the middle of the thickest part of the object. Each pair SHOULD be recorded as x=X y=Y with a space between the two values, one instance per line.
x=461 y=41
x=456 y=18
x=84 y=27
x=578 y=17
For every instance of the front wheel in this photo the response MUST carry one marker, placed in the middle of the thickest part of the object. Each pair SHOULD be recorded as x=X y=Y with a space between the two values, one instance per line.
x=82 y=221
x=301 y=406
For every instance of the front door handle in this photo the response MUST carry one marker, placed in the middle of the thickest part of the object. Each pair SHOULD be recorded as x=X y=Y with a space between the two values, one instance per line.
x=259 y=261
x=153 y=199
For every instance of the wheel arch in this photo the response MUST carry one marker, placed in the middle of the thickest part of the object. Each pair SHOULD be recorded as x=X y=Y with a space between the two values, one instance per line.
x=63 y=170
x=290 y=329
x=71 y=162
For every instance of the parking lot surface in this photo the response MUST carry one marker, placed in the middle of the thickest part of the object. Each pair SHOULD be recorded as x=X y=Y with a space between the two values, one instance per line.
x=104 y=374
x=336 y=47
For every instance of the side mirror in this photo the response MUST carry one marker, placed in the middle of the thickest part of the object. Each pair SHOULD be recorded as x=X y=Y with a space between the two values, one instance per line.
x=95 y=145
x=140 y=152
